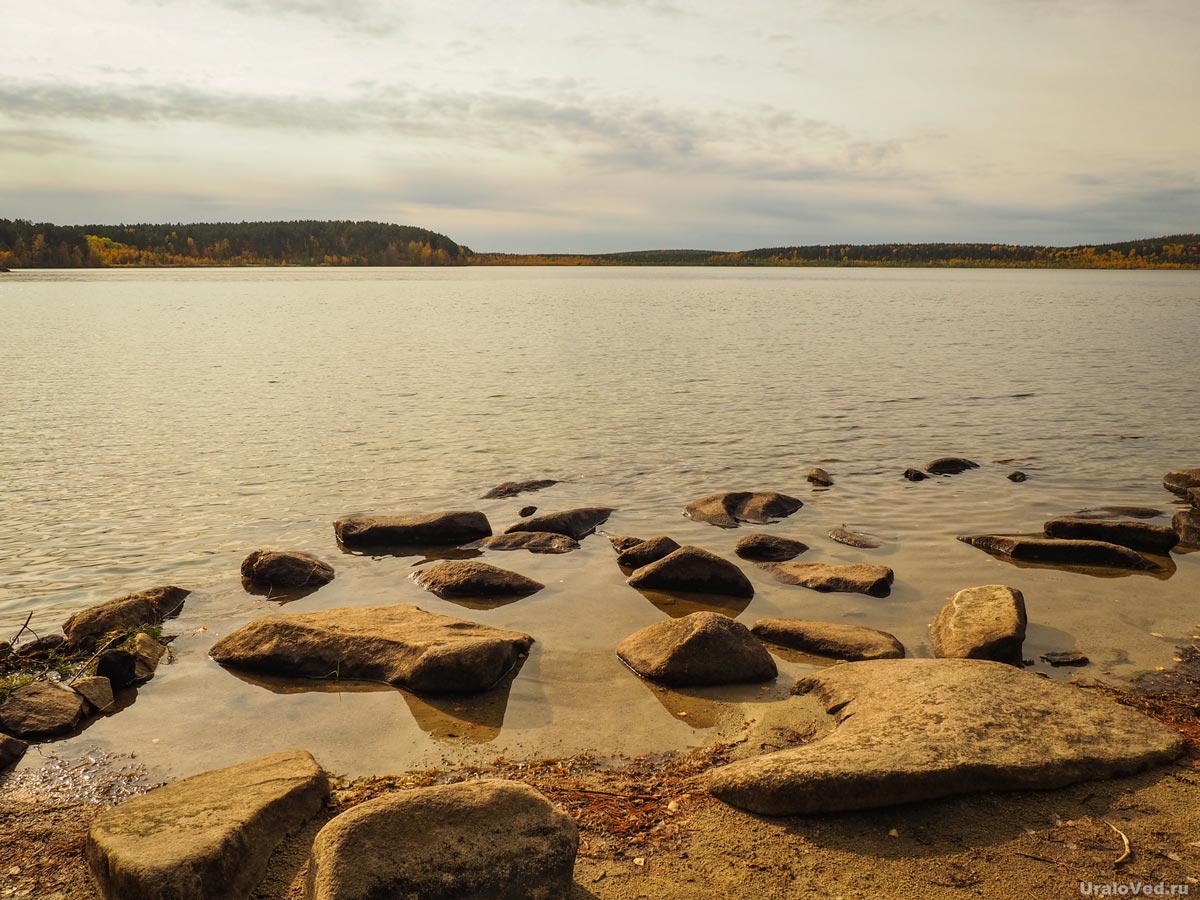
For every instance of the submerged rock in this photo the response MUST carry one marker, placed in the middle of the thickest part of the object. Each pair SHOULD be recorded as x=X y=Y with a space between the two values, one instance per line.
x=1182 y=480
x=854 y=539
x=11 y=751
x=831 y=639
x=513 y=488
x=727 y=509
x=819 y=477
x=693 y=570
x=915 y=475
x=1119 y=512
x=858 y=578
x=768 y=548
x=918 y=729
x=1186 y=524
x=950 y=465
x=533 y=541
x=574 y=523
x=699 y=649
x=435 y=529
x=41 y=710
x=1058 y=658
x=981 y=623
x=1134 y=535
x=646 y=552
x=124 y=614
x=208 y=837
x=468 y=578
x=1059 y=552
x=286 y=568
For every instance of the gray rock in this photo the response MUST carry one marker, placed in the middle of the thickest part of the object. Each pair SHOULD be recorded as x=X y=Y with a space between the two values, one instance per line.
x=533 y=541
x=1134 y=535
x=1059 y=552
x=456 y=578
x=41 y=710
x=574 y=523
x=727 y=509
x=831 y=639
x=401 y=645
x=768 y=548
x=981 y=623
x=858 y=578
x=915 y=475
x=286 y=568
x=513 y=488
x=819 y=477
x=432 y=530
x=96 y=690
x=1065 y=658
x=918 y=729
x=854 y=539
x=1186 y=524
x=11 y=751
x=703 y=648
x=950 y=465
x=1119 y=512
x=146 y=653
x=1017 y=477
x=1182 y=480
x=695 y=571
x=477 y=840
x=646 y=552
x=208 y=837
x=124 y=614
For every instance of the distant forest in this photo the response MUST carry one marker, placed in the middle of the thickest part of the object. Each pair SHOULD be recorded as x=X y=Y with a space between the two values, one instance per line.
x=24 y=244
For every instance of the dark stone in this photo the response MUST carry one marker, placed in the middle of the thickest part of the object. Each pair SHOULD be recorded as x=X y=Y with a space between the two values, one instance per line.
x=286 y=568
x=693 y=570
x=950 y=465
x=859 y=578
x=622 y=542
x=1186 y=524
x=1182 y=480
x=574 y=523
x=526 y=511
x=438 y=529
x=42 y=647
x=768 y=548
x=1134 y=535
x=1060 y=552
x=819 y=477
x=118 y=666
x=915 y=475
x=125 y=614
x=854 y=539
x=701 y=649
x=11 y=751
x=96 y=690
x=1017 y=476
x=1193 y=496
x=646 y=552
x=513 y=488
x=468 y=578
x=829 y=639
x=1065 y=658
x=726 y=510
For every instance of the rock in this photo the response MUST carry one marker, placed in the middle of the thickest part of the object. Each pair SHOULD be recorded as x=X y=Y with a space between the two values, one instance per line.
x=918 y=729
x=768 y=548
x=124 y=614
x=819 y=477
x=533 y=541
x=694 y=570
x=1017 y=477
x=286 y=568
x=1193 y=496
x=622 y=542
x=146 y=653
x=1119 y=512
x=915 y=475
x=703 y=648
x=831 y=639
x=468 y=578
x=981 y=623
x=1182 y=480
x=401 y=645
x=858 y=578
x=96 y=690
x=118 y=666
x=513 y=488
x=1186 y=524
x=11 y=751
x=1134 y=535
x=950 y=465
x=1065 y=658
x=6 y=650
x=41 y=647
x=207 y=837
x=526 y=511
x=40 y=710
x=728 y=509
x=646 y=552
x=440 y=529
x=477 y=840
x=1059 y=552
x=574 y=523
x=854 y=539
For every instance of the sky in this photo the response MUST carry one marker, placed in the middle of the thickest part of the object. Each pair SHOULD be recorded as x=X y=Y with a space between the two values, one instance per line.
x=603 y=125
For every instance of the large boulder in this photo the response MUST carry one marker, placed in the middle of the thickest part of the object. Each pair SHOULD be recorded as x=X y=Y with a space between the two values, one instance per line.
x=1182 y=480
x=727 y=509
x=477 y=840
x=533 y=541
x=830 y=639
x=949 y=465
x=703 y=648
x=41 y=710
x=859 y=539
x=856 y=578
x=401 y=645
x=286 y=568
x=648 y=551
x=768 y=548
x=695 y=571
x=11 y=751
x=981 y=623
x=124 y=614
x=574 y=523
x=917 y=729
x=208 y=837
x=457 y=578
x=440 y=529
x=1186 y=524
x=1134 y=535
x=512 y=488
x=1059 y=552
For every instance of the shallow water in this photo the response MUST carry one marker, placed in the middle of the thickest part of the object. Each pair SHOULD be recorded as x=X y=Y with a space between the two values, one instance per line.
x=156 y=426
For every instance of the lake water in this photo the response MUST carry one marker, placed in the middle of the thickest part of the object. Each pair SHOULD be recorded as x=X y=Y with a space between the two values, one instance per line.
x=156 y=426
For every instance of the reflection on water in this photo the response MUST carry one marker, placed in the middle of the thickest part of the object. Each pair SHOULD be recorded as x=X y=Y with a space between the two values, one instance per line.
x=684 y=603
x=708 y=707
x=277 y=594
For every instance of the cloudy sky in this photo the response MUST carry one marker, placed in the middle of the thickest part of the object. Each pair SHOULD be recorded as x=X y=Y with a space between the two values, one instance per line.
x=590 y=125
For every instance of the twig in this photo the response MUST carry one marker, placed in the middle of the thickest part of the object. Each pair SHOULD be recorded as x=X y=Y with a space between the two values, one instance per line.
x=1044 y=859
x=88 y=661
x=557 y=787
x=1124 y=840
x=17 y=636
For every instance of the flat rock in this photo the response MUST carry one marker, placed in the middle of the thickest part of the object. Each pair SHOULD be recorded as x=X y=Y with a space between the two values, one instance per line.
x=11 y=751
x=768 y=548
x=513 y=488
x=699 y=649
x=1058 y=658
x=648 y=551
x=457 y=578
x=96 y=690
x=985 y=622
x=435 y=529
x=1134 y=535
x=41 y=710
x=915 y=475
x=857 y=578
x=477 y=840
x=693 y=570
x=574 y=523
x=124 y=614
x=286 y=568
x=950 y=465
x=918 y=729
x=1186 y=524
x=1119 y=512
x=830 y=639
x=728 y=509
x=1059 y=552
x=208 y=837
x=533 y=541
x=859 y=539
x=819 y=477
x=1182 y=480
x=401 y=645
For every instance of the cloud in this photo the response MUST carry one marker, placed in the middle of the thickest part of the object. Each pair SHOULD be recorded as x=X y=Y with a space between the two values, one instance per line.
x=367 y=16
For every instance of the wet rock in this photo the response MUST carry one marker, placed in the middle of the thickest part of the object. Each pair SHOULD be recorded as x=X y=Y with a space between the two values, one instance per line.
x=1017 y=476
x=118 y=666
x=854 y=538
x=1186 y=524
x=830 y=639
x=124 y=614
x=693 y=570
x=622 y=542
x=477 y=840
x=40 y=710
x=513 y=488
x=1065 y=658
x=1134 y=535
x=526 y=511
x=1059 y=552
x=858 y=578
x=468 y=578
x=96 y=690
x=42 y=647
x=981 y=623
x=435 y=529
x=6 y=650
x=699 y=649
x=1193 y=496
x=915 y=475
x=918 y=729
x=286 y=568
x=950 y=465
x=1119 y=512
x=726 y=510
x=768 y=548
x=11 y=751
x=208 y=837
x=646 y=552
x=533 y=541
x=401 y=645
x=146 y=653
x=574 y=523
x=1182 y=480
x=819 y=477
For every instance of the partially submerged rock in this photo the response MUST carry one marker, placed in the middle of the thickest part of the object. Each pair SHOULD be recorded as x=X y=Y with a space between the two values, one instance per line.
x=1186 y=524
x=1059 y=552
x=286 y=568
x=981 y=623
x=915 y=474
x=513 y=488
x=831 y=639
x=124 y=614
x=11 y=751
x=622 y=542
x=533 y=541
x=918 y=729
x=1134 y=535
x=96 y=690
x=1119 y=512
x=526 y=511
x=699 y=649
x=728 y=509
x=41 y=710
x=768 y=548
x=859 y=539
x=646 y=552
x=1182 y=480
x=454 y=578
x=146 y=653
x=1017 y=476
x=208 y=837
x=444 y=529
x=574 y=523
x=693 y=570
x=1058 y=658
x=819 y=477
x=401 y=645
x=857 y=578
x=476 y=840
x=950 y=465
